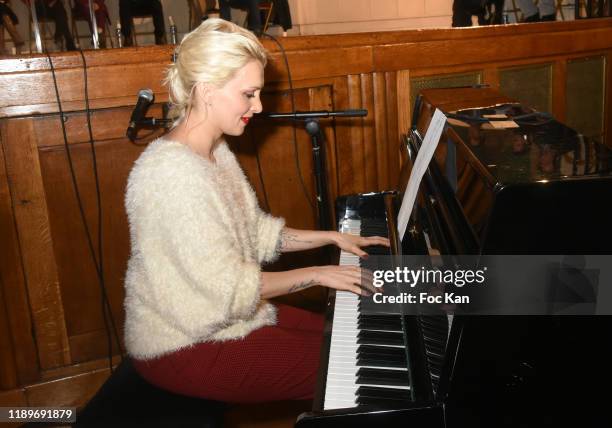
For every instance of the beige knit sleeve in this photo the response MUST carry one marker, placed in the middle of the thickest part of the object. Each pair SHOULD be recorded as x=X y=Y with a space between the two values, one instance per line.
x=269 y=230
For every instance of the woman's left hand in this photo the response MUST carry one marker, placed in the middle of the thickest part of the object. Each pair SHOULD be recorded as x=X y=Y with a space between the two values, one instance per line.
x=354 y=243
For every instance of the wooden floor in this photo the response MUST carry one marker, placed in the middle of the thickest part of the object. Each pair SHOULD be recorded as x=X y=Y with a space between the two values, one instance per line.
x=268 y=415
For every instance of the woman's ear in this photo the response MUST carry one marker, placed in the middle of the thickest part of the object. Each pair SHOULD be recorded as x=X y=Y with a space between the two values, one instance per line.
x=203 y=93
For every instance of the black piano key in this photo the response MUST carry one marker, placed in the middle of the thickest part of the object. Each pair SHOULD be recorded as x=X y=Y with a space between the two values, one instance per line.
x=377 y=250
x=434 y=359
x=373 y=226
x=381 y=361
x=441 y=330
x=380 y=337
x=434 y=345
x=435 y=322
x=382 y=393
x=434 y=331
x=369 y=355
x=380 y=322
x=385 y=350
x=371 y=376
x=435 y=371
x=434 y=339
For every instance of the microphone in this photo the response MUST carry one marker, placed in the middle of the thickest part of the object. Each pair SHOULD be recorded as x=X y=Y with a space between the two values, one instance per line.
x=145 y=99
x=316 y=114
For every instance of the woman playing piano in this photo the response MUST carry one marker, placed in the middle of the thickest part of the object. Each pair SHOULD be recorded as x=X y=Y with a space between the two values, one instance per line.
x=198 y=320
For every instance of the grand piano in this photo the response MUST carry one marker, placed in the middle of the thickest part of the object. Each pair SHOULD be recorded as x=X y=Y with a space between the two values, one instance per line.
x=525 y=184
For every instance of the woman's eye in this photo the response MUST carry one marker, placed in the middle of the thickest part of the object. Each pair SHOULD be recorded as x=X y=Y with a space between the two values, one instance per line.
x=250 y=95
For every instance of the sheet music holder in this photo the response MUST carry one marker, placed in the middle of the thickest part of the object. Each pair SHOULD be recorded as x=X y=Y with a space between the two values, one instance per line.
x=426 y=151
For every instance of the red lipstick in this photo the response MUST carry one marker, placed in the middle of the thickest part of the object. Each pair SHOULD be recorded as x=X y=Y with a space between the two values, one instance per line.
x=245 y=119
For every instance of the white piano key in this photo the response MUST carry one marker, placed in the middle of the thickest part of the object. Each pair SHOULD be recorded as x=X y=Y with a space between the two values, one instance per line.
x=342 y=367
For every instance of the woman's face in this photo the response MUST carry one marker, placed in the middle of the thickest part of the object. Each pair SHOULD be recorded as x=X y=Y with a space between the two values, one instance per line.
x=234 y=104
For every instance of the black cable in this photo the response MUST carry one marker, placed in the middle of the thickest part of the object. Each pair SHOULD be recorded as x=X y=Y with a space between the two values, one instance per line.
x=100 y=263
x=78 y=197
x=295 y=147
x=105 y=302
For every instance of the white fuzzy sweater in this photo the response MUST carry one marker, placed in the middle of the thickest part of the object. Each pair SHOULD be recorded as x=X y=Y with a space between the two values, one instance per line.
x=198 y=238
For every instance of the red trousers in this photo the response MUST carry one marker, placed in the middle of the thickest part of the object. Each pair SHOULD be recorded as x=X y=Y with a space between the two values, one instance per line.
x=272 y=363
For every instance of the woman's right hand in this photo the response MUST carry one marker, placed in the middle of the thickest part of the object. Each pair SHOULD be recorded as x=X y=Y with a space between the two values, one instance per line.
x=346 y=278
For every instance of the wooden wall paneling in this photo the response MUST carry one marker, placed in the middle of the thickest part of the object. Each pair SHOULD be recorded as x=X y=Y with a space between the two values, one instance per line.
x=490 y=76
x=75 y=265
x=32 y=219
x=80 y=288
x=585 y=95
x=344 y=164
x=8 y=368
x=404 y=108
x=93 y=345
x=276 y=85
x=326 y=62
x=532 y=85
x=381 y=140
x=104 y=87
x=393 y=138
x=559 y=100
x=401 y=36
x=94 y=58
x=488 y=68
x=443 y=53
x=515 y=40
x=369 y=136
x=72 y=370
x=37 y=88
x=355 y=150
x=12 y=282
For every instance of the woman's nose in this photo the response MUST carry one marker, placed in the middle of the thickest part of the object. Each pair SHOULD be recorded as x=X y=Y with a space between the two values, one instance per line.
x=256 y=106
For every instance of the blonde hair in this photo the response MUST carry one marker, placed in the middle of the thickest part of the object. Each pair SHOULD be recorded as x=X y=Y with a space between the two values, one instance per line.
x=212 y=53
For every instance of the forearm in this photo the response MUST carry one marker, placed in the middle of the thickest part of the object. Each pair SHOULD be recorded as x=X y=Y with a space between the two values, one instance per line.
x=274 y=284
x=298 y=240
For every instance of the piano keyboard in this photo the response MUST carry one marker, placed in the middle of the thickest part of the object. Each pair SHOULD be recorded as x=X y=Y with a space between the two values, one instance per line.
x=367 y=358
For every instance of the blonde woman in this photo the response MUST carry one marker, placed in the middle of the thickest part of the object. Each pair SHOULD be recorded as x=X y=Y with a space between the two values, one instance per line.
x=198 y=320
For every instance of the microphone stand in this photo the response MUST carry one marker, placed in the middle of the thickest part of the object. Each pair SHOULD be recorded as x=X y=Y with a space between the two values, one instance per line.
x=154 y=122
x=151 y=122
x=313 y=128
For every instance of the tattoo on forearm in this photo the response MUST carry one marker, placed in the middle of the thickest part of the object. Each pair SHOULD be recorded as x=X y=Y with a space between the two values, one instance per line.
x=301 y=286
x=288 y=240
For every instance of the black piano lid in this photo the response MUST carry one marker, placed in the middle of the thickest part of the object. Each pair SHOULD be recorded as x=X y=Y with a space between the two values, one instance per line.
x=539 y=149
x=520 y=186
